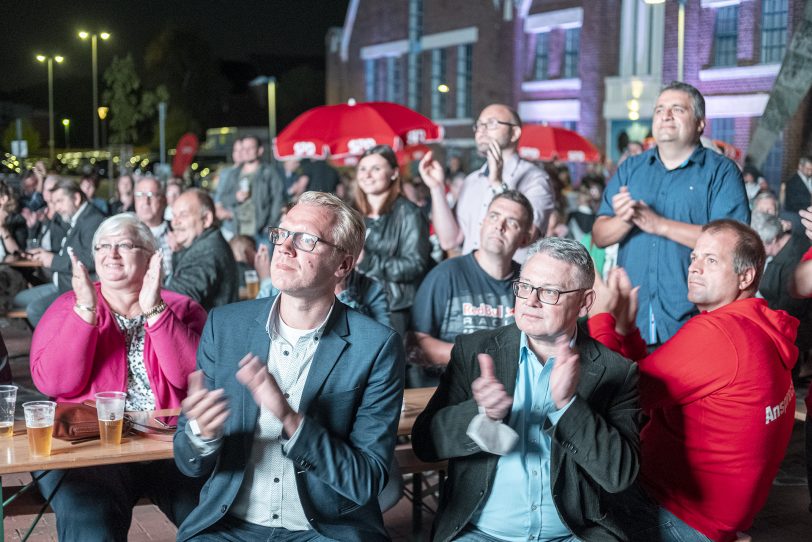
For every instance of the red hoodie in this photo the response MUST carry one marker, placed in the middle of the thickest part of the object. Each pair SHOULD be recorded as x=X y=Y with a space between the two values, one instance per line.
x=722 y=407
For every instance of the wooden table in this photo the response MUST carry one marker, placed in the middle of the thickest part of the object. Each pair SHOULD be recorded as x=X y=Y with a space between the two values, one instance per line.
x=415 y=400
x=24 y=263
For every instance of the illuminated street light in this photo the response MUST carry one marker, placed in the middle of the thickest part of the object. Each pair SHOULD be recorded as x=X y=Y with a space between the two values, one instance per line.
x=83 y=35
x=66 y=124
x=442 y=87
x=50 y=61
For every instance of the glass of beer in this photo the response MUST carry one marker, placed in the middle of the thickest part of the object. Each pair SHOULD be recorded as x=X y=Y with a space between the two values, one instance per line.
x=252 y=283
x=110 y=407
x=8 y=400
x=39 y=423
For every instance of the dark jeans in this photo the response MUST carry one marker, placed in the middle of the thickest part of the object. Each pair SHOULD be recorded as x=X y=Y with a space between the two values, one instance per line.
x=96 y=503
x=231 y=529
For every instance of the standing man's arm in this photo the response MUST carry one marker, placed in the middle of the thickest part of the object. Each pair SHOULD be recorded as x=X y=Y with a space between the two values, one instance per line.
x=616 y=215
x=445 y=223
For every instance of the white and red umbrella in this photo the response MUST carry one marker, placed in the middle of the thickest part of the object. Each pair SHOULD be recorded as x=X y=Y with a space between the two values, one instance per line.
x=346 y=130
x=547 y=143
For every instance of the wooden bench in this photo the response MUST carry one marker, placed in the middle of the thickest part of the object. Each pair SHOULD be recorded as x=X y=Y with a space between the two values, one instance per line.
x=409 y=463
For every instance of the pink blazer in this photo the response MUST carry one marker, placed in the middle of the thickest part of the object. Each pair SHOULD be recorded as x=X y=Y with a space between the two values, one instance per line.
x=72 y=360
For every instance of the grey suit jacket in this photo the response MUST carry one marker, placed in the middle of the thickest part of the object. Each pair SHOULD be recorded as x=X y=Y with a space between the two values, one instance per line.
x=595 y=444
x=351 y=403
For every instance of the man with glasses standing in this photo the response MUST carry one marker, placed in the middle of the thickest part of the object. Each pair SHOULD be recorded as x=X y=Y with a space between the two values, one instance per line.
x=203 y=267
x=538 y=421
x=496 y=133
x=295 y=439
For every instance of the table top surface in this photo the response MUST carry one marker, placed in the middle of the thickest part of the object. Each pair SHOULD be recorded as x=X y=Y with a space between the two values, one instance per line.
x=15 y=261
x=15 y=457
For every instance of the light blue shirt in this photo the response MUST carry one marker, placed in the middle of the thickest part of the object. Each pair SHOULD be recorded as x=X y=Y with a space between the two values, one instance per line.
x=520 y=506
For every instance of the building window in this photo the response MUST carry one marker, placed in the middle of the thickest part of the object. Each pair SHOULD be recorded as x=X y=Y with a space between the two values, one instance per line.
x=438 y=99
x=369 y=79
x=726 y=36
x=774 y=23
x=570 y=125
x=771 y=168
x=723 y=129
x=463 y=90
x=393 y=80
x=541 y=66
x=572 y=39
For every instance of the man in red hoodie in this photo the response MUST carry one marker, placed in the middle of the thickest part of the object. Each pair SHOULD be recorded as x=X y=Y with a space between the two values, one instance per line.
x=719 y=395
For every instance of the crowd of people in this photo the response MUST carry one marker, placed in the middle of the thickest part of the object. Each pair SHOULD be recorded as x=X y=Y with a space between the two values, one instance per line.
x=612 y=361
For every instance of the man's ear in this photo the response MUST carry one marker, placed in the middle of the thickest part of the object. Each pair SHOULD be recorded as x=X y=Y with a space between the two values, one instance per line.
x=345 y=266
x=515 y=134
x=586 y=304
x=746 y=278
x=208 y=218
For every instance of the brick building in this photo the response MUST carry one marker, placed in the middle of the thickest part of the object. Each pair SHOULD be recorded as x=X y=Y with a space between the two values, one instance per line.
x=592 y=66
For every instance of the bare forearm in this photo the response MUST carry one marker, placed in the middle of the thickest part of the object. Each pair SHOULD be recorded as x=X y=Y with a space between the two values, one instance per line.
x=445 y=224
x=679 y=232
x=609 y=230
x=437 y=352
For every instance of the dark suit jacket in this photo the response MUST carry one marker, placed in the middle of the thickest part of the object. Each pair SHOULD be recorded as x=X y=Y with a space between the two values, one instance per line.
x=595 y=444
x=206 y=271
x=80 y=238
x=796 y=195
x=351 y=403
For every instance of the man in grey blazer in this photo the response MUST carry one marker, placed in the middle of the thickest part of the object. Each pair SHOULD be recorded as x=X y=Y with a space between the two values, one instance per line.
x=297 y=436
x=538 y=421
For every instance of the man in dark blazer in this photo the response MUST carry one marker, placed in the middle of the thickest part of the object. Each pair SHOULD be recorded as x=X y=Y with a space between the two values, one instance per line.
x=568 y=406
x=203 y=265
x=798 y=191
x=297 y=438
x=81 y=220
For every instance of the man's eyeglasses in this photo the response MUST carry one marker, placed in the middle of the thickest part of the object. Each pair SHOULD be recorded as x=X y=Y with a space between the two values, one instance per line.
x=490 y=124
x=148 y=195
x=124 y=247
x=301 y=240
x=549 y=296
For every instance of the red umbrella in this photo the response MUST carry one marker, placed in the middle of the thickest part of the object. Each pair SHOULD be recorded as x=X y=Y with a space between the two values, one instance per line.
x=405 y=155
x=343 y=130
x=547 y=143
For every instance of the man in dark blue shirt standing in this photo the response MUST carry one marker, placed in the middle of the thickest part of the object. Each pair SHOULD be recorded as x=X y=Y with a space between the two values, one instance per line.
x=656 y=204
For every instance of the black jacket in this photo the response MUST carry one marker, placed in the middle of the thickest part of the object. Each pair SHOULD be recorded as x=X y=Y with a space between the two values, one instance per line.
x=595 y=444
x=206 y=271
x=80 y=239
x=397 y=252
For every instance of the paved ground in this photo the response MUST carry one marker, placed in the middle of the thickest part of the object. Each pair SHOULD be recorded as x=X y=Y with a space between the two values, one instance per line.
x=785 y=518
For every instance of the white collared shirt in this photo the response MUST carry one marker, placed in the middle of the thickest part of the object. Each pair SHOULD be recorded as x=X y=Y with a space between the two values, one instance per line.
x=268 y=495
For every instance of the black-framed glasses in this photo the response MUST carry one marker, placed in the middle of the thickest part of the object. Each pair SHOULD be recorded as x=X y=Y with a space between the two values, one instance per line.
x=301 y=240
x=490 y=124
x=549 y=296
x=124 y=247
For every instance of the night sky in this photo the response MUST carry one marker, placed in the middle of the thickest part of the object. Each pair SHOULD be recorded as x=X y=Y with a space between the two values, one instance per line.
x=247 y=32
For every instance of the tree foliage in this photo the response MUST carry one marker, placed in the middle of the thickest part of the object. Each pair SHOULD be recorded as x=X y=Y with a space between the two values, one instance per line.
x=30 y=134
x=130 y=103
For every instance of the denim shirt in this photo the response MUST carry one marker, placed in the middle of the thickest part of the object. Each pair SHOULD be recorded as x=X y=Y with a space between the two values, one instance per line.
x=707 y=186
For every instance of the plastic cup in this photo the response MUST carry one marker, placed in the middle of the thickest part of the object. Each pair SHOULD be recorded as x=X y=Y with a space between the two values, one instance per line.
x=8 y=400
x=110 y=408
x=252 y=284
x=39 y=423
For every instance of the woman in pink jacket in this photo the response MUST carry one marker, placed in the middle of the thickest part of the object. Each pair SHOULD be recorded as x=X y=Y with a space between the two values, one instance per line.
x=123 y=333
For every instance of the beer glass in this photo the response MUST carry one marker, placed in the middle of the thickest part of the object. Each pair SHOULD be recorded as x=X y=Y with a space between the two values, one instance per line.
x=110 y=408
x=251 y=284
x=8 y=400
x=39 y=423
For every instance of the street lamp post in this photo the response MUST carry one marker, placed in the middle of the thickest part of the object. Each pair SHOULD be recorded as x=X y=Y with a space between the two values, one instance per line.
x=50 y=61
x=270 y=82
x=95 y=60
x=66 y=124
